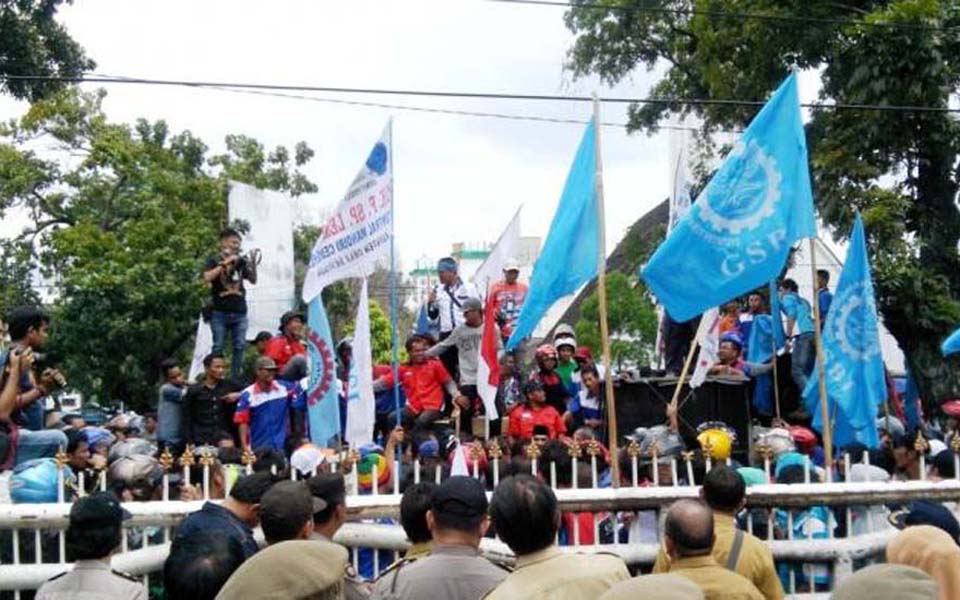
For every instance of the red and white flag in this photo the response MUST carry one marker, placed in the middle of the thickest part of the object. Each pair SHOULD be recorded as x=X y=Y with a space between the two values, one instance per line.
x=488 y=365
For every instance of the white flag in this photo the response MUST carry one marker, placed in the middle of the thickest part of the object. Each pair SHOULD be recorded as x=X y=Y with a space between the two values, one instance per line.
x=201 y=348
x=680 y=194
x=708 y=337
x=361 y=407
x=459 y=466
x=360 y=230
x=506 y=248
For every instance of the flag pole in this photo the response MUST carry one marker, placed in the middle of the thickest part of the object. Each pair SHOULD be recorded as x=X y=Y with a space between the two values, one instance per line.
x=683 y=372
x=393 y=290
x=602 y=301
x=776 y=380
x=821 y=375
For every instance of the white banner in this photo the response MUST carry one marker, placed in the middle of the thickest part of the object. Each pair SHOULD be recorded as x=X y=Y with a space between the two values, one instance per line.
x=680 y=194
x=359 y=231
x=361 y=406
x=708 y=337
x=270 y=217
x=201 y=347
x=506 y=248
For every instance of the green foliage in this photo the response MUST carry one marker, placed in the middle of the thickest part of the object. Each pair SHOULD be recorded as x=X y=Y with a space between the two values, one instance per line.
x=897 y=167
x=247 y=161
x=631 y=318
x=32 y=43
x=381 y=341
x=123 y=221
x=15 y=277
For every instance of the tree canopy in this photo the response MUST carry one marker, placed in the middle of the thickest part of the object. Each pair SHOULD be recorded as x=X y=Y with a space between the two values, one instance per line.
x=122 y=217
x=631 y=318
x=898 y=167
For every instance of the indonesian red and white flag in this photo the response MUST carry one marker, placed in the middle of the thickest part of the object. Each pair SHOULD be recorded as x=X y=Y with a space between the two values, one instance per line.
x=708 y=337
x=488 y=363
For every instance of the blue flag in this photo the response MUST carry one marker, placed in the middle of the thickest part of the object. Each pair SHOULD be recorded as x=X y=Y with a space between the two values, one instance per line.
x=323 y=404
x=951 y=345
x=855 y=377
x=570 y=253
x=776 y=314
x=738 y=233
x=423 y=321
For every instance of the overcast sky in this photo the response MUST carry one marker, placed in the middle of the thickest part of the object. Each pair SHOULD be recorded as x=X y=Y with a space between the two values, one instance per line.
x=457 y=178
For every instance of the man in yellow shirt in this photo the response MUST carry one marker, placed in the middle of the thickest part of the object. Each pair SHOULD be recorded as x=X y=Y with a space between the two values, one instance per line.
x=724 y=491
x=689 y=539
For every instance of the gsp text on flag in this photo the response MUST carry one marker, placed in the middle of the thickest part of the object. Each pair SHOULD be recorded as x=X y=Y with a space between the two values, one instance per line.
x=737 y=235
x=358 y=233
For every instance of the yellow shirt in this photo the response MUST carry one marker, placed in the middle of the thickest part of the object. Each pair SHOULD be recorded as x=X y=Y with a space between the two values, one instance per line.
x=554 y=575
x=717 y=583
x=755 y=563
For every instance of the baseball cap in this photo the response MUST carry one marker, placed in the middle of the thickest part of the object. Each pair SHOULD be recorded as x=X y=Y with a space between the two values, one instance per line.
x=471 y=304
x=447 y=263
x=289 y=316
x=328 y=487
x=290 y=500
x=101 y=509
x=951 y=408
x=583 y=353
x=923 y=512
x=265 y=362
x=263 y=336
x=512 y=264
x=459 y=496
x=944 y=463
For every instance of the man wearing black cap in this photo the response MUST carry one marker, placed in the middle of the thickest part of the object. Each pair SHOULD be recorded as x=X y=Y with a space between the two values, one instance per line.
x=331 y=488
x=287 y=349
x=286 y=512
x=96 y=525
x=455 y=569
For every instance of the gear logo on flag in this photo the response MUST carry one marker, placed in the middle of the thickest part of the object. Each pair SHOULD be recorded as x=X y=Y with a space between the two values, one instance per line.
x=743 y=193
x=854 y=309
x=322 y=367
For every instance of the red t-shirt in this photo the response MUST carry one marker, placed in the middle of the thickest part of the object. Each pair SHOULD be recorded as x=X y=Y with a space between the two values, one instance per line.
x=524 y=418
x=508 y=300
x=281 y=350
x=423 y=384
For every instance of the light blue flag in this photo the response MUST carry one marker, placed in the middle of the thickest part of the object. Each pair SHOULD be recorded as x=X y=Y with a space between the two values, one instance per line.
x=776 y=314
x=760 y=350
x=323 y=405
x=951 y=345
x=738 y=233
x=570 y=254
x=855 y=378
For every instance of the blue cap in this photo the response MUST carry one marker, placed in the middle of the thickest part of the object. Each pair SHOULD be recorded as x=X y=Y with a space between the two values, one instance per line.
x=447 y=264
x=923 y=512
x=733 y=337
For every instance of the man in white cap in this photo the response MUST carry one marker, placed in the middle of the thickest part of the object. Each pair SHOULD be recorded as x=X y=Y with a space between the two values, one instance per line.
x=507 y=297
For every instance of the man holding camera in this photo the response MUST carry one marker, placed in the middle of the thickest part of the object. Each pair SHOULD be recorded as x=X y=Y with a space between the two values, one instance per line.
x=228 y=309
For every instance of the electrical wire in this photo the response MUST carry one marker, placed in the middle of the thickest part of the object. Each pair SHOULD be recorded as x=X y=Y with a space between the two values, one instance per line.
x=735 y=15
x=475 y=95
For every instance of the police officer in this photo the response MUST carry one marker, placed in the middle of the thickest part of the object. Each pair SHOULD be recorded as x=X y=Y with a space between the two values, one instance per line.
x=454 y=570
x=96 y=525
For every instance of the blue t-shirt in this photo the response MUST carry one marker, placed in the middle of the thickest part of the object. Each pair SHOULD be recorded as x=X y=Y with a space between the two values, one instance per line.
x=586 y=407
x=266 y=412
x=825 y=298
x=216 y=519
x=799 y=310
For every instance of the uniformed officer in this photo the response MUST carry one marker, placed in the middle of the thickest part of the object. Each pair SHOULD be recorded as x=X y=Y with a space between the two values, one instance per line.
x=526 y=516
x=96 y=525
x=454 y=570
x=331 y=488
x=413 y=518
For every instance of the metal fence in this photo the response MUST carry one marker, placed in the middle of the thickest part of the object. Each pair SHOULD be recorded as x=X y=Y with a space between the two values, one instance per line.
x=604 y=519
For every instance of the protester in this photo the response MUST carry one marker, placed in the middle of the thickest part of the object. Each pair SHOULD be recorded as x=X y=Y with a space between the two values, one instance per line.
x=507 y=297
x=932 y=551
x=264 y=409
x=729 y=321
x=730 y=361
x=799 y=318
x=675 y=340
x=756 y=305
x=509 y=392
x=566 y=365
x=533 y=413
x=654 y=587
x=424 y=380
x=226 y=273
x=586 y=409
x=525 y=515
x=93 y=535
x=200 y=564
x=557 y=393
x=170 y=406
x=287 y=349
x=907 y=456
x=824 y=296
x=724 y=491
x=208 y=405
x=457 y=520
x=294 y=569
x=886 y=582
x=445 y=304
x=689 y=539
x=236 y=516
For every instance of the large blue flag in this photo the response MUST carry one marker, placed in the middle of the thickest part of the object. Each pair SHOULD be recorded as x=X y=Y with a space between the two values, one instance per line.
x=856 y=383
x=570 y=254
x=323 y=404
x=738 y=233
x=951 y=345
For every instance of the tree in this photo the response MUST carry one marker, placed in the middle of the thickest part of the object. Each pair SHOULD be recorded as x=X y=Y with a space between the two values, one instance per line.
x=381 y=340
x=631 y=318
x=33 y=44
x=123 y=217
x=897 y=167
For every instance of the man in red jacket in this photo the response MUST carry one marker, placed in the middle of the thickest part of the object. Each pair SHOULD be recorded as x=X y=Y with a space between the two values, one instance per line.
x=287 y=349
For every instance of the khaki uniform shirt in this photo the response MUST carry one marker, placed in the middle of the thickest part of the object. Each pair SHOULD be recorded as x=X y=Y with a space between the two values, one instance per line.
x=755 y=563
x=448 y=573
x=354 y=588
x=554 y=575
x=92 y=580
x=717 y=583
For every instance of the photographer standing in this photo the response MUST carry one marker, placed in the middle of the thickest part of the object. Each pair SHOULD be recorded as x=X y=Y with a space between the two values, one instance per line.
x=228 y=309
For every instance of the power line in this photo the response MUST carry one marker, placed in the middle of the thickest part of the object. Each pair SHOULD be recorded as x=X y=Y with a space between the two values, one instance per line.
x=474 y=95
x=736 y=15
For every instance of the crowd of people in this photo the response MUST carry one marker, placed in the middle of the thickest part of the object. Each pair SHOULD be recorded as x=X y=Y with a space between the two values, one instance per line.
x=244 y=419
